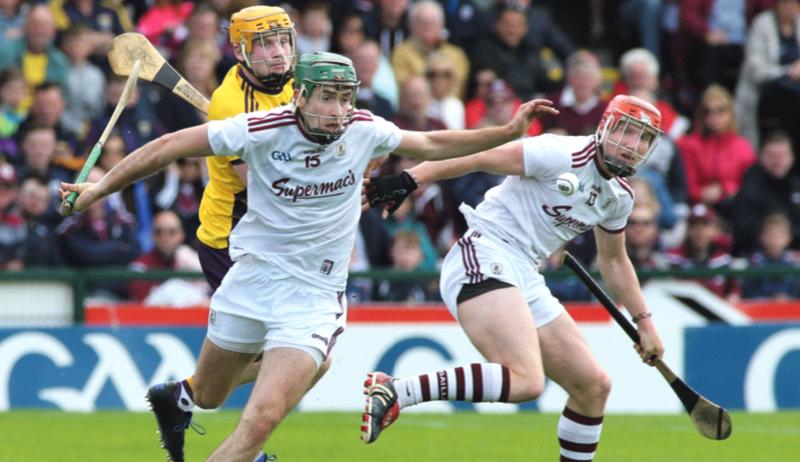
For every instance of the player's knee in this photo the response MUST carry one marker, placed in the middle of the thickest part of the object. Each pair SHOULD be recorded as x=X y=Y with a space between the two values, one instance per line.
x=526 y=386
x=260 y=424
x=598 y=386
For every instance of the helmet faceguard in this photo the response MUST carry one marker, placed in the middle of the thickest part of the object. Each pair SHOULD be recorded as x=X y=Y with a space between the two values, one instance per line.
x=257 y=26
x=628 y=133
x=329 y=71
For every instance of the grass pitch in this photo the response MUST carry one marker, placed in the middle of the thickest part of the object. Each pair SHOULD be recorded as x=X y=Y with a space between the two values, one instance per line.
x=27 y=436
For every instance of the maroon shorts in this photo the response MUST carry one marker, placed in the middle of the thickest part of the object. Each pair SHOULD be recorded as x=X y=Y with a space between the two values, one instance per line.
x=215 y=263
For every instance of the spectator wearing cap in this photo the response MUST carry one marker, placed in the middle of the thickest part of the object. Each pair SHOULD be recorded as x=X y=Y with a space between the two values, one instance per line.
x=773 y=252
x=705 y=246
x=767 y=186
x=715 y=155
x=41 y=247
x=12 y=228
x=579 y=102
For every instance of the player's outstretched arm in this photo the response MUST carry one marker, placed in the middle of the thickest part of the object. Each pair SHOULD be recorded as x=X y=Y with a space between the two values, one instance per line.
x=444 y=144
x=143 y=162
x=620 y=276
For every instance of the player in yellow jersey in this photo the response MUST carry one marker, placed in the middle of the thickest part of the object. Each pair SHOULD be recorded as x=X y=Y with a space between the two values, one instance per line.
x=263 y=40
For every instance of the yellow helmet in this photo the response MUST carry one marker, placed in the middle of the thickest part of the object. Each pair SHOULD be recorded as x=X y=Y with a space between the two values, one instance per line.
x=258 y=19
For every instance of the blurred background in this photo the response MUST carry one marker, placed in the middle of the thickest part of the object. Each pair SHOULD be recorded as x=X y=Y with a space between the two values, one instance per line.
x=96 y=307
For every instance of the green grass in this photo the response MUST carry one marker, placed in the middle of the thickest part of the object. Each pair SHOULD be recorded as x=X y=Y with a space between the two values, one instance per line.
x=27 y=436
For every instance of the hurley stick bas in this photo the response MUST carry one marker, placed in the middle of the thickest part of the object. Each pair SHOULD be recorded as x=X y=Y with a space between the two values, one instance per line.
x=130 y=47
x=710 y=419
x=66 y=207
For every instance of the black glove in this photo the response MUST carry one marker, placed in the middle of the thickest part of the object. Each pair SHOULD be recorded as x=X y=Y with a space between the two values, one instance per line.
x=390 y=190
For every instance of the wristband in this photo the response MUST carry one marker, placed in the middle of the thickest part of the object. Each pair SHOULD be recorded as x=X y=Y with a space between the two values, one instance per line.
x=641 y=316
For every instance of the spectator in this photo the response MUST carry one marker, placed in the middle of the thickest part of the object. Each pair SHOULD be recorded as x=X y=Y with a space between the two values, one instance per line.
x=48 y=111
x=415 y=99
x=41 y=247
x=768 y=186
x=506 y=51
x=543 y=32
x=315 y=28
x=102 y=20
x=773 y=252
x=12 y=93
x=465 y=22
x=12 y=228
x=349 y=36
x=444 y=105
x=12 y=19
x=196 y=62
x=714 y=154
x=370 y=250
x=39 y=146
x=181 y=192
x=163 y=24
x=640 y=70
x=99 y=237
x=475 y=107
x=579 y=101
x=705 y=246
x=427 y=36
x=85 y=82
x=642 y=238
x=644 y=18
x=42 y=61
x=407 y=257
x=205 y=24
x=710 y=40
x=169 y=253
x=404 y=218
x=386 y=24
x=500 y=104
x=775 y=73
x=366 y=59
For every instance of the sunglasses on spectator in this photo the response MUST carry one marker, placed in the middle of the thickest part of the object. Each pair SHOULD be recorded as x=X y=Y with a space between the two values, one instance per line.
x=716 y=109
x=433 y=74
x=170 y=231
x=641 y=222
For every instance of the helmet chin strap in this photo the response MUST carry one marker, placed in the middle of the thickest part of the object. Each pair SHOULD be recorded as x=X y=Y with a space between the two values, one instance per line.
x=274 y=83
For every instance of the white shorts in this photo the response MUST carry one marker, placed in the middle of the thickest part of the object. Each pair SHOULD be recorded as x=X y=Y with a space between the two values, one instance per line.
x=258 y=306
x=477 y=257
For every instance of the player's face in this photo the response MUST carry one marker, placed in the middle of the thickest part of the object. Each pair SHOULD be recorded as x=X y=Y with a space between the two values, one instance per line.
x=628 y=141
x=271 y=53
x=329 y=108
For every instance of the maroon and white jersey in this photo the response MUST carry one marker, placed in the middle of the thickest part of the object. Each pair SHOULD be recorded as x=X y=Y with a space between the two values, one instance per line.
x=530 y=212
x=303 y=198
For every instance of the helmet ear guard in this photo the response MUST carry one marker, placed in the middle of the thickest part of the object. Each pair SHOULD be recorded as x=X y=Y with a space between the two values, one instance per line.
x=623 y=115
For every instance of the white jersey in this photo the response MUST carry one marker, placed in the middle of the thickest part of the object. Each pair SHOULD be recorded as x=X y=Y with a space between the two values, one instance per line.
x=303 y=198
x=530 y=212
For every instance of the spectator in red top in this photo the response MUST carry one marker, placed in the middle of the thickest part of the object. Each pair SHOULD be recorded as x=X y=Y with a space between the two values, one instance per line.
x=12 y=227
x=164 y=24
x=715 y=155
x=168 y=253
x=496 y=105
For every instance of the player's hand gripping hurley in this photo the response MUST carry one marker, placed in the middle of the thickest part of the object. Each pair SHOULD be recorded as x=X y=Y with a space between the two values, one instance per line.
x=66 y=207
x=711 y=420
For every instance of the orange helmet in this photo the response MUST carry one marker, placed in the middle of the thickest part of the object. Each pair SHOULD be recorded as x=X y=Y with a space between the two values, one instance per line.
x=258 y=22
x=628 y=133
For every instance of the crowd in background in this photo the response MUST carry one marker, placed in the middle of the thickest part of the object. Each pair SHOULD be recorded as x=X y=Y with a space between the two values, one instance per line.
x=721 y=190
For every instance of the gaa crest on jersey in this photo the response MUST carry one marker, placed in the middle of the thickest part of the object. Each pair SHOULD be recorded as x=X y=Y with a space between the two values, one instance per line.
x=497 y=268
x=212 y=316
x=608 y=203
x=341 y=149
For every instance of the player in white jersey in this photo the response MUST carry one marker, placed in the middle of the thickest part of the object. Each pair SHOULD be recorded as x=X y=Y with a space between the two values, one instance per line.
x=490 y=279
x=284 y=294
